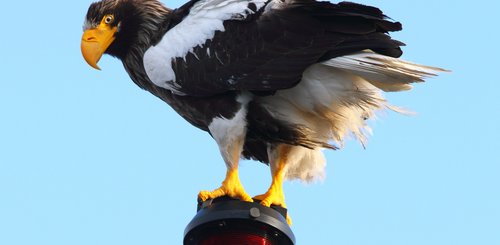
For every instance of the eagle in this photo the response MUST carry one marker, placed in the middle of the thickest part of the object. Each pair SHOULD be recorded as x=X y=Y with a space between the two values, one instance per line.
x=275 y=81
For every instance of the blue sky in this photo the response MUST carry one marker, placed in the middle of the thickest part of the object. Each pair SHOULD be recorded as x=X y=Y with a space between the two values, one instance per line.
x=86 y=157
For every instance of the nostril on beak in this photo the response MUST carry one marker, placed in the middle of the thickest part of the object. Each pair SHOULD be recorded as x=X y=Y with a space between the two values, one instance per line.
x=90 y=39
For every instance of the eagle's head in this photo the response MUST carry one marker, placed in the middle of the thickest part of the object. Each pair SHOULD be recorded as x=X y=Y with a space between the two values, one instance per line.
x=119 y=27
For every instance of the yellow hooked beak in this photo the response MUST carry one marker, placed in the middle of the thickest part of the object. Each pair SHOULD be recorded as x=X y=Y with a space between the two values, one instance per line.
x=95 y=42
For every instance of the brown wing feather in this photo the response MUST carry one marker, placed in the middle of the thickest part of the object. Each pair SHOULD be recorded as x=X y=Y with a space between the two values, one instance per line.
x=269 y=50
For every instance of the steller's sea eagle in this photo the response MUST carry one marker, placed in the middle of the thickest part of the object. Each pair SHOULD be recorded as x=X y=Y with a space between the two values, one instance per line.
x=270 y=80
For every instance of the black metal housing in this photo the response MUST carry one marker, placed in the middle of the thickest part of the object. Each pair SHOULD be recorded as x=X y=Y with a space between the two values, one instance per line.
x=226 y=215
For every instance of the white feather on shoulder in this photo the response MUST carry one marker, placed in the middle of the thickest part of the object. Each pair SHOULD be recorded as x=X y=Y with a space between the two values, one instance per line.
x=205 y=18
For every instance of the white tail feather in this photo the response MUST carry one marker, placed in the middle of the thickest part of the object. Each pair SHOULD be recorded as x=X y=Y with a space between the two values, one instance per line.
x=334 y=100
x=387 y=73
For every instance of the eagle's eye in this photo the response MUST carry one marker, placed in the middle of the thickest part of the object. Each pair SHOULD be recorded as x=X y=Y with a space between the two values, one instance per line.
x=108 y=19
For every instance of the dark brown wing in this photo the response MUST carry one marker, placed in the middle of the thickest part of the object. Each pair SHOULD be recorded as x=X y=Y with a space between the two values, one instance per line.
x=269 y=50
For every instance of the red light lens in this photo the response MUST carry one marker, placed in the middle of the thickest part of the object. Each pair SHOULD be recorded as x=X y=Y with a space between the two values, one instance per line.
x=236 y=238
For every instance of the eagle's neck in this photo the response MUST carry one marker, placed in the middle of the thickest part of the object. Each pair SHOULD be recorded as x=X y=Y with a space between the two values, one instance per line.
x=144 y=26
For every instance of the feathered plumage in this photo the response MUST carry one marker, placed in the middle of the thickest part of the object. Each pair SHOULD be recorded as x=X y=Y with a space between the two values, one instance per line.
x=273 y=80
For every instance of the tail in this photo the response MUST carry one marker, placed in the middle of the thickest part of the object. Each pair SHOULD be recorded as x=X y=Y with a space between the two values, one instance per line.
x=386 y=73
x=336 y=97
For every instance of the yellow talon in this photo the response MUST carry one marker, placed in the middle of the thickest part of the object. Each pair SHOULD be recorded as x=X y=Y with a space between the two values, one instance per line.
x=231 y=186
x=274 y=198
x=288 y=220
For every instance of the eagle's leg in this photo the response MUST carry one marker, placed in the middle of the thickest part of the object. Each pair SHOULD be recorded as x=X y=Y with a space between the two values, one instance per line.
x=230 y=137
x=231 y=186
x=275 y=194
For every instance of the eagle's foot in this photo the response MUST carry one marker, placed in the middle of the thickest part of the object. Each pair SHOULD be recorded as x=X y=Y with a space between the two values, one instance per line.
x=274 y=196
x=231 y=186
